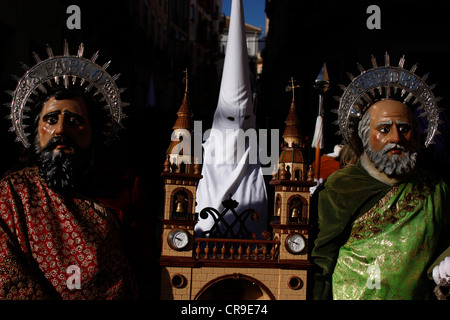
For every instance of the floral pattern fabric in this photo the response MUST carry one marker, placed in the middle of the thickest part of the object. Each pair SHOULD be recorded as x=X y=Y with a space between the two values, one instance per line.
x=55 y=247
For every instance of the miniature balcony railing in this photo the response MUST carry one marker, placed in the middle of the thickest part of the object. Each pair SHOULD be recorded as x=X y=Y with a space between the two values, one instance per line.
x=236 y=249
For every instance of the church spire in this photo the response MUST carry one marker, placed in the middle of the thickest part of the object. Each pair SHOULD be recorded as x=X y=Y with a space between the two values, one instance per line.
x=291 y=162
x=179 y=157
x=184 y=112
x=292 y=134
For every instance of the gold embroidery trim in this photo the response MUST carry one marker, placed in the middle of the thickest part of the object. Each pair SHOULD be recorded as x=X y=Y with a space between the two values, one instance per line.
x=381 y=214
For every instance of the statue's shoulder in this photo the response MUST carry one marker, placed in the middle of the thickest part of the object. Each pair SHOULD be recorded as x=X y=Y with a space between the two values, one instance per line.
x=19 y=177
x=345 y=177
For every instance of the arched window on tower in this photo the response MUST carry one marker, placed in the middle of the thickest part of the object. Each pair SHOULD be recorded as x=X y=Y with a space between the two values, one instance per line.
x=297 y=175
x=182 y=167
x=298 y=209
x=181 y=203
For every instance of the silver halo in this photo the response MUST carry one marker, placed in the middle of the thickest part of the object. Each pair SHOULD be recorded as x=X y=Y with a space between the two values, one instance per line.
x=387 y=80
x=66 y=68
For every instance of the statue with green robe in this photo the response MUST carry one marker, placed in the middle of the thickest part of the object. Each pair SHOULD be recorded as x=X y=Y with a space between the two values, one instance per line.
x=383 y=223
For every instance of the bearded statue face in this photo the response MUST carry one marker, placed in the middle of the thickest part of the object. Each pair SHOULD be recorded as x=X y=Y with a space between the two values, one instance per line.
x=387 y=131
x=63 y=142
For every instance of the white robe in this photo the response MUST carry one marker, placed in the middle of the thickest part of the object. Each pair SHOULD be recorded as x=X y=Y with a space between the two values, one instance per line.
x=226 y=169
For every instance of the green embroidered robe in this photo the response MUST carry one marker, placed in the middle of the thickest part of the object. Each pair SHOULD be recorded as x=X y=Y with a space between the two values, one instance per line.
x=371 y=235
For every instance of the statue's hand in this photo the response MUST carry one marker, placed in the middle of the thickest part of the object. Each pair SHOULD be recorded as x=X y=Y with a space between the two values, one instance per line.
x=442 y=271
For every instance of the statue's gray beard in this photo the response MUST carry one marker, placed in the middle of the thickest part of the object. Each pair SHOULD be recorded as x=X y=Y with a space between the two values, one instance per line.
x=394 y=165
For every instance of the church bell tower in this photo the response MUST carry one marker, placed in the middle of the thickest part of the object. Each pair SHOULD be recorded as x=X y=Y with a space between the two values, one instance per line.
x=181 y=176
x=290 y=221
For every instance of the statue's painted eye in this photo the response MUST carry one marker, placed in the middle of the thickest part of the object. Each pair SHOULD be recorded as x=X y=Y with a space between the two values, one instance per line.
x=385 y=129
x=404 y=128
x=231 y=118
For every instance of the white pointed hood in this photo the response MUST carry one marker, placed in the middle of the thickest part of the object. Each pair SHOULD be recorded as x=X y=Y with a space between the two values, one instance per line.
x=227 y=169
x=235 y=107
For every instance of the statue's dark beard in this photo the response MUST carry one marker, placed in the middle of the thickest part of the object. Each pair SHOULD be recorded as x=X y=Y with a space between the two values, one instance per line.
x=62 y=172
x=394 y=165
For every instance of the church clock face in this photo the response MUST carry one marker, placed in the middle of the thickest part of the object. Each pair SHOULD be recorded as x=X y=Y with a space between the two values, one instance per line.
x=178 y=239
x=295 y=243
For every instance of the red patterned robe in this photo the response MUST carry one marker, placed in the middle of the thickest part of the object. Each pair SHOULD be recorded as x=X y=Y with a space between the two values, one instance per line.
x=45 y=238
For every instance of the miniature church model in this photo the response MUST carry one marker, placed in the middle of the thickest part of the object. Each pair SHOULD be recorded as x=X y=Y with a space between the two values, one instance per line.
x=228 y=265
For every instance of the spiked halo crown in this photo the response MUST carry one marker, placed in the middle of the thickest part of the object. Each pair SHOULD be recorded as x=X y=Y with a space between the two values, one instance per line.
x=66 y=68
x=386 y=82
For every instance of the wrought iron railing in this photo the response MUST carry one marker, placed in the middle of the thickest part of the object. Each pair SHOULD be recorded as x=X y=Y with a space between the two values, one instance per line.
x=230 y=239
x=236 y=249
